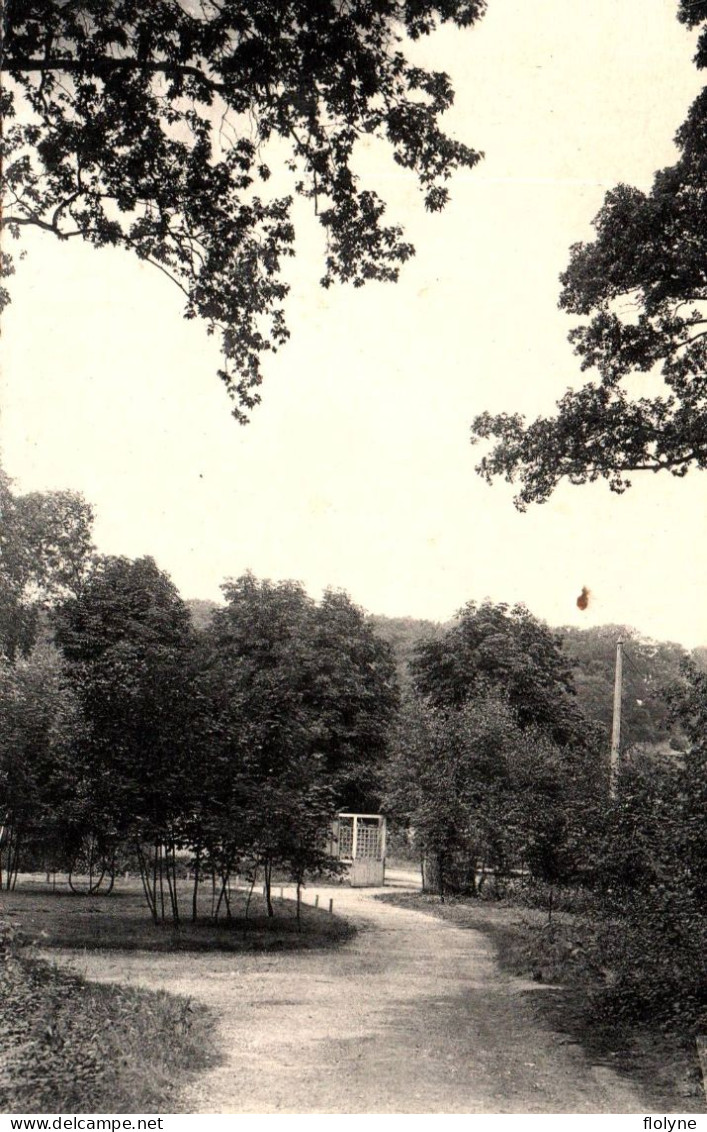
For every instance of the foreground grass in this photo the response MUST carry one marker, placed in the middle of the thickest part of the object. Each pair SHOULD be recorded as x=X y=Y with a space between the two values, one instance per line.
x=554 y=952
x=72 y=1046
x=57 y=918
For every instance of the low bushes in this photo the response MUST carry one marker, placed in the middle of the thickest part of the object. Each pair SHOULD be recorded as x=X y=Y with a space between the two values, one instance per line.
x=71 y=1046
x=655 y=960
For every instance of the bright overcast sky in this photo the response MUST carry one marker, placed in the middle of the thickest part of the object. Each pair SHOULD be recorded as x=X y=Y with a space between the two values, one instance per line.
x=356 y=470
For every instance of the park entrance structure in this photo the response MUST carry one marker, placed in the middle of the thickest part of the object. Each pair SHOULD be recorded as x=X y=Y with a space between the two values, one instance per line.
x=359 y=841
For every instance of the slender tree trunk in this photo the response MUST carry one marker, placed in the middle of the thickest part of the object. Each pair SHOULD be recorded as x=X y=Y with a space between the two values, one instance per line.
x=8 y=856
x=222 y=893
x=145 y=878
x=13 y=860
x=227 y=892
x=268 y=890
x=158 y=874
x=195 y=891
x=430 y=873
x=111 y=875
x=247 y=903
x=6 y=850
x=170 y=855
x=472 y=876
x=91 y=849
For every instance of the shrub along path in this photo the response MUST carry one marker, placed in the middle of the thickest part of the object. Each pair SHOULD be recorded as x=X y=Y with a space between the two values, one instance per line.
x=412 y=1015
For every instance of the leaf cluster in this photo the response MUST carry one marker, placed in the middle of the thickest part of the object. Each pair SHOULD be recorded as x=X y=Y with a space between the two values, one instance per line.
x=155 y=128
x=640 y=290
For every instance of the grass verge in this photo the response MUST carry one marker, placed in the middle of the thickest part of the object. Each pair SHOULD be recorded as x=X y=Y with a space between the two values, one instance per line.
x=57 y=918
x=555 y=952
x=72 y=1046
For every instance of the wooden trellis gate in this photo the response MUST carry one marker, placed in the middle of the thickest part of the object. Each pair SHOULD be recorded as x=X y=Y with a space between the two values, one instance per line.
x=359 y=841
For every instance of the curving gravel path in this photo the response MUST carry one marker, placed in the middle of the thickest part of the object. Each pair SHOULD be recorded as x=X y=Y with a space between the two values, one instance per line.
x=412 y=1016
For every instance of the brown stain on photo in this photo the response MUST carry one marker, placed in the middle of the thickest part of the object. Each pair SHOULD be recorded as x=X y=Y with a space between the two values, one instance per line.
x=583 y=599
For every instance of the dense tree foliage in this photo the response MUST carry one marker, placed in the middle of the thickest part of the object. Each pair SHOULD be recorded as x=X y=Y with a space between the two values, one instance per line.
x=689 y=707
x=404 y=635
x=45 y=551
x=650 y=669
x=231 y=747
x=127 y=640
x=495 y=768
x=651 y=868
x=40 y=726
x=486 y=796
x=504 y=648
x=640 y=289
x=147 y=126
x=297 y=701
x=201 y=611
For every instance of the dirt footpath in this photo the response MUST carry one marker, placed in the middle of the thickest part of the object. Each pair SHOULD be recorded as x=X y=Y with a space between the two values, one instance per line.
x=411 y=1016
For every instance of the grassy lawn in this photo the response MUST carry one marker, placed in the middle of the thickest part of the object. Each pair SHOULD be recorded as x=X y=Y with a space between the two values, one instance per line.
x=58 y=918
x=529 y=944
x=75 y=1046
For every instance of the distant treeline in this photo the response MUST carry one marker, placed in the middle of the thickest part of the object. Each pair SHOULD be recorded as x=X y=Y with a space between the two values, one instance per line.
x=650 y=669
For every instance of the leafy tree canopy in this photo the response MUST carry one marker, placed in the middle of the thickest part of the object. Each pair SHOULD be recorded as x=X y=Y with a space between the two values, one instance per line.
x=122 y=604
x=502 y=648
x=41 y=720
x=127 y=639
x=481 y=791
x=291 y=678
x=404 y=635
x=650 y=669
x=45 y=553
x=640 y=288
x=146 y=126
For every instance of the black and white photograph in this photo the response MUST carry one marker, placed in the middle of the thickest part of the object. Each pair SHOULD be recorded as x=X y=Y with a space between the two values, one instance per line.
x=353 y=558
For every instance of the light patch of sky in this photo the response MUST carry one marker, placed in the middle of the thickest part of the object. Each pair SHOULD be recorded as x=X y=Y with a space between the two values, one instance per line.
x=357 y=471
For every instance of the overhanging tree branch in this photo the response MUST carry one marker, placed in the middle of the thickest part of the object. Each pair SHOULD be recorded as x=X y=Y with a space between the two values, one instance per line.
x=313 y=75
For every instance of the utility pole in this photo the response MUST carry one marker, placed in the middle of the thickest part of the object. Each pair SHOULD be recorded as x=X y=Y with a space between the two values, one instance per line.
x=616 y=724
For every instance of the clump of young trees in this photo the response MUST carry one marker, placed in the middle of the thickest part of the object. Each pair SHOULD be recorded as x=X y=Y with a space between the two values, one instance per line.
x=496 y=768
x=503 y=783
x=131 y=735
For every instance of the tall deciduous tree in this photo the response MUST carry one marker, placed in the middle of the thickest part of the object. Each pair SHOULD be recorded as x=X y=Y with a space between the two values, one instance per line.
x=640 y=288
x=506 y=649
x=146 y=126
x=41 y=724
x=127 y=638
x=298 y=699
x=45 y=552
x=483 y=794
x=495 y=764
